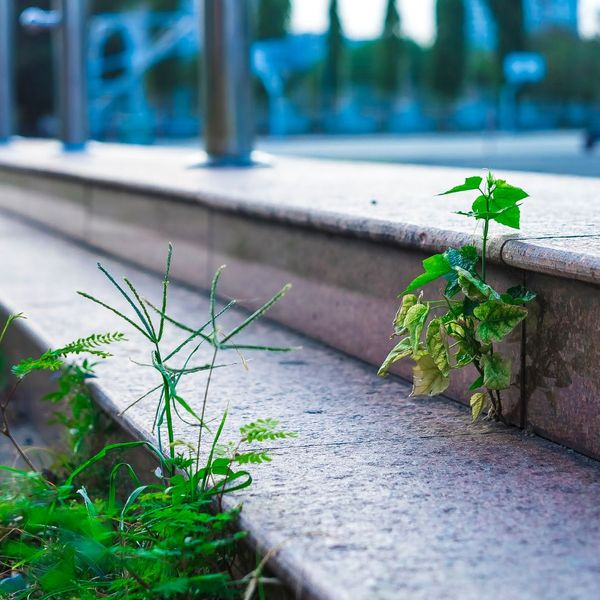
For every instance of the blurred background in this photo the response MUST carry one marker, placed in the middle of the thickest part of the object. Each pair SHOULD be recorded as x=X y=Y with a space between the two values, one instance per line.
x=500 y=83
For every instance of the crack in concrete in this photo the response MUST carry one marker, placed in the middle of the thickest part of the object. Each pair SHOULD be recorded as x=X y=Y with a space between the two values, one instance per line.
x=380 y=440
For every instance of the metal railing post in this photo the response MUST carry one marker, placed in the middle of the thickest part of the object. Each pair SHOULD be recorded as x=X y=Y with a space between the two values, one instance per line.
x=68 y=22
x=227 y=83
x=71 y=46
x=6 y=70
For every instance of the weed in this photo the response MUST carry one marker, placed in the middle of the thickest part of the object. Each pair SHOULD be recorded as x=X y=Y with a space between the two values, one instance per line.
x=461 y=328
x=168 y=537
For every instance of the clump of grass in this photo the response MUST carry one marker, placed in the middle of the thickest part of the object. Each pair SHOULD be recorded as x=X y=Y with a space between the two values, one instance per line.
x=84 y=532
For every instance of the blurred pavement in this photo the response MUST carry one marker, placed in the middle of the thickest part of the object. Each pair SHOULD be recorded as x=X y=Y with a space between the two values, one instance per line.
x=544 y=152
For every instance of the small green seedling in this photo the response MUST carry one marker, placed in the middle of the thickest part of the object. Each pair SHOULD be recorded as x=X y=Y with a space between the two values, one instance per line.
x=461 y=328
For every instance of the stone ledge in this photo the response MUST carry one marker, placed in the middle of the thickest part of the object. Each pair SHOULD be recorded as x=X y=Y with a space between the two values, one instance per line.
x=385 y=203
x=346 y=285
x=381 y=496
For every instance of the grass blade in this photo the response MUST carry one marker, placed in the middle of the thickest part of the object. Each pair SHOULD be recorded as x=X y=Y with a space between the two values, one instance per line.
x=116 y=312
x=142 y=305
x=9 y=322
x=129 y=301
x=164 y=292
x=106 y=450
x=213 y=297
x=258 y=313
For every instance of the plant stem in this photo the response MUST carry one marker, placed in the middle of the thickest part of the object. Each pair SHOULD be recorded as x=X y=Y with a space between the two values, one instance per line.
x=168 y=415
x=486 y=228
x=5 y=430
x=500 y=415
x=210 y=372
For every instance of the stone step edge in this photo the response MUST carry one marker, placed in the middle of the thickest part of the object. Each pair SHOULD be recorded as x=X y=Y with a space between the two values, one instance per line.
x=255 y=543
x=512 y=250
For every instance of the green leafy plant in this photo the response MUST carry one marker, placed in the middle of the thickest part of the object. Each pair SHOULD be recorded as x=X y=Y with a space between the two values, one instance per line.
x=163 y=536
x=461 y=328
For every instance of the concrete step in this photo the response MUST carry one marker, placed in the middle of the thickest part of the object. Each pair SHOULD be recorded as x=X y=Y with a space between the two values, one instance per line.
x=380 y=496
x=348 y=236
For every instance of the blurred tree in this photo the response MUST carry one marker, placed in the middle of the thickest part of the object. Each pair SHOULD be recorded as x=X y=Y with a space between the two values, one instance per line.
x=361 y=58
x=110 y=6
x=510 y=20
x=333 y=75
x=415 y=59
x=449 y=51
x=273 y=19
x=482 y=70
x=389 y=65
x=573 y=67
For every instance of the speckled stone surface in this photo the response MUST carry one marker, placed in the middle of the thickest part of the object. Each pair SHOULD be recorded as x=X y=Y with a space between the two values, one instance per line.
x=346 y=258
x=380 y=497
x=396 y=204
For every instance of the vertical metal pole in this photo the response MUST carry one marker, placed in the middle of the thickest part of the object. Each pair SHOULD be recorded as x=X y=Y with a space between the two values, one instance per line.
x=227 y=89
x=71 y=51
x=6 y=70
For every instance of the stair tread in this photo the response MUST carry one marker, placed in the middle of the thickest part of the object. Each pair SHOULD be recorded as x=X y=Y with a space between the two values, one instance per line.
x=381 y=496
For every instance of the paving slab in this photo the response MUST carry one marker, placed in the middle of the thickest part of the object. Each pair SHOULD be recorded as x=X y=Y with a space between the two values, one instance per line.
x=381 y=496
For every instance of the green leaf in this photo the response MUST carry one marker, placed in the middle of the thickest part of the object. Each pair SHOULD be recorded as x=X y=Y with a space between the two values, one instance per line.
x=467 y=255
x=466 y=258
x=518 y=295
x=464 y=358
x=435 y=266
x=473 y=287
x=435 y=341
x=427 y=378
x=221 y=466
x=468 y=306
x=48 y=361
x=471 y=183
x=453 y=329
x=400 y=351
x=504 y=192
x=264 y=429
x=497 y=320
x=496 y=372
x=408 y=301
x=255 y=457
x=477 y=403
x=510 y=217
x=479 y=209
x=501 y=206
x=415 y=323
x=476 y=384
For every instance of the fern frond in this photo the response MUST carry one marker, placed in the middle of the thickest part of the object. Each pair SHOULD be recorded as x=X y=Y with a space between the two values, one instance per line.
x=264 y=429
x=53 y=360
x=256 y=457
x=91 y=344
x=46 y=362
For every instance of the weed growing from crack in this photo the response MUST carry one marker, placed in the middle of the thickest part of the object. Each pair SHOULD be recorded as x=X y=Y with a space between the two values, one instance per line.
x=61 y=536
x=461 y=328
